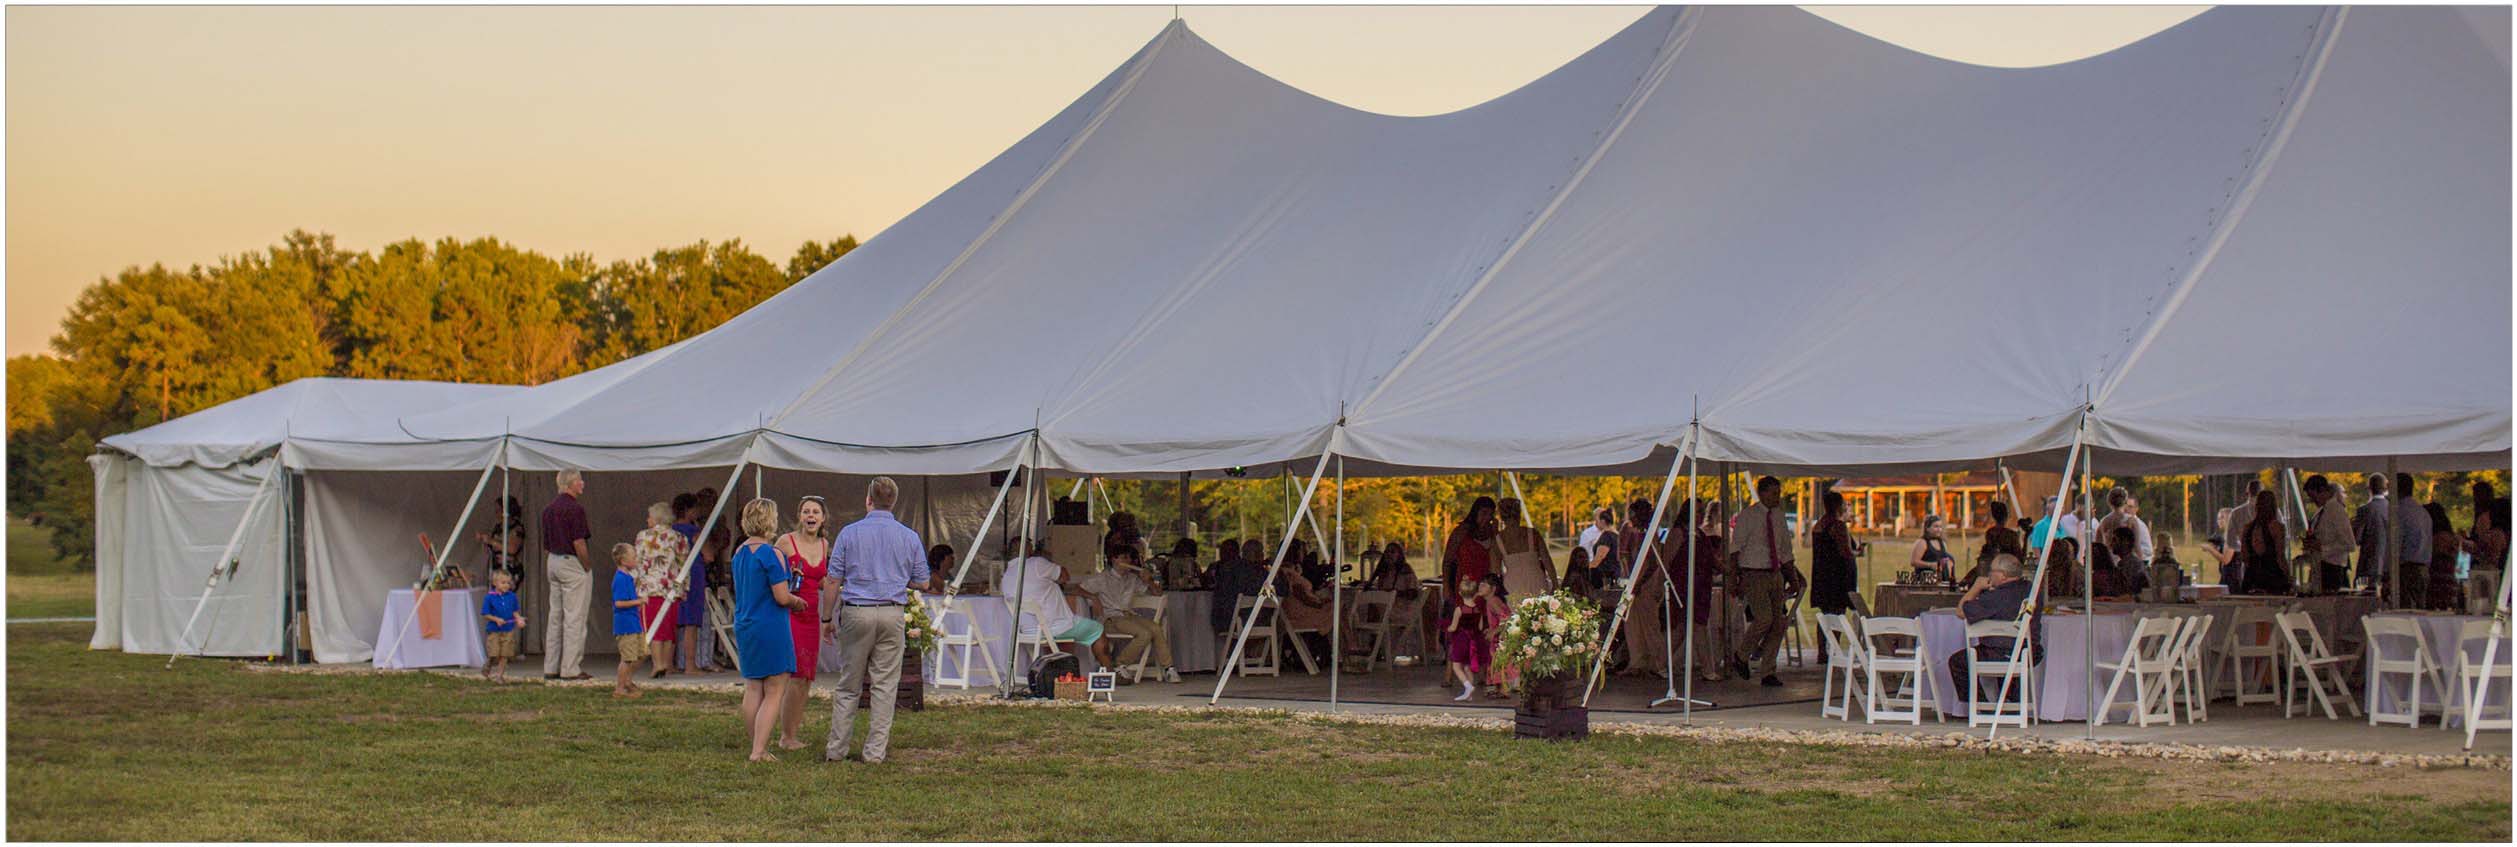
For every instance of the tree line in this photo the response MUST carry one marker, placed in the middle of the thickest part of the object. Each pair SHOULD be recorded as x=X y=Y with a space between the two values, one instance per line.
x=153 y=343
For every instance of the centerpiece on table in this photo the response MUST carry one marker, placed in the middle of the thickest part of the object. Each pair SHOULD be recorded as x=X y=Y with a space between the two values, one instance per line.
x=1552 y=639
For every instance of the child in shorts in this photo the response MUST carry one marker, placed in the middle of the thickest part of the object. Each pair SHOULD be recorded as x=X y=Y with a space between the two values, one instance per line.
x=499 y=619
x=629 y=632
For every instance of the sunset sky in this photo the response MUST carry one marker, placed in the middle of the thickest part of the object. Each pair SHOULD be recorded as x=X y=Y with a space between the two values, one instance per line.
x=177 y=134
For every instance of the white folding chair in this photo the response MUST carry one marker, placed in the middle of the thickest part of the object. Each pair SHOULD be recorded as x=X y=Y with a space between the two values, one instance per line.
x=2190 y=677
x=1913 y=693
x=1792 y=640
x=1152 y=606
x=1262 y=636
x=2248 y=638
x=2396 y=647
x=2149 y=660
x=2311 y=665
x=955 y=631
x=1844 y=658
x=2022 y=677
x=1373 y=610
x=1301 y=647
x=2470 y=676
x=1029 y=643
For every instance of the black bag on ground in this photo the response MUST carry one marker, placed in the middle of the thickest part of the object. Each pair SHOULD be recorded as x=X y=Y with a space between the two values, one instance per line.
x=1046 y=669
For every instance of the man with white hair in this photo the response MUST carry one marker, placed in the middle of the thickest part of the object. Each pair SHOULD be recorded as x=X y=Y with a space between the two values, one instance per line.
x=564 y=534
x=1996 y=597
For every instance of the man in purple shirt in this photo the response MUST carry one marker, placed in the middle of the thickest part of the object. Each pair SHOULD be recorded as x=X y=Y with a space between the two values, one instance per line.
x=875 y=561
x=564 y=534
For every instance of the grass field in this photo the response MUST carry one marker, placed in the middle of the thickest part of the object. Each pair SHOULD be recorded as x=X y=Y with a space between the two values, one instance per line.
x=105 y=746
x=40 y=584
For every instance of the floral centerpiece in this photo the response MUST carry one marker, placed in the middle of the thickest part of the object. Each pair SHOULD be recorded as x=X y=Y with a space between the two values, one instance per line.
x=1552 y=639
x=919 y=629
x=1551 y=634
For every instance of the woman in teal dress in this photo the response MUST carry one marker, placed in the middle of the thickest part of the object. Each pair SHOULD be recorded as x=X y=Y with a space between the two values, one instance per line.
x=764 y=598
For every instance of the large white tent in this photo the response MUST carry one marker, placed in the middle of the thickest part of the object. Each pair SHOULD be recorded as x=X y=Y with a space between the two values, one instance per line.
x=2197 y=241
x=2265 y=235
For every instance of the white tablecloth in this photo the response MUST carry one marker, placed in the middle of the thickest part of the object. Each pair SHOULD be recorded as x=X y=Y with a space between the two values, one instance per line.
x=2440 y=632
x=995 y=623
x=1192 y=637
x=2063 y=694
x=398 y=641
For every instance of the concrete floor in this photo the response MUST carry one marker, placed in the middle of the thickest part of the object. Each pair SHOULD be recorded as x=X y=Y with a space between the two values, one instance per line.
x=1744 y=704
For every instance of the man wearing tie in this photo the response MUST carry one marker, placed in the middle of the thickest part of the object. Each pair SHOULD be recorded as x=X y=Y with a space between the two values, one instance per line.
x=1765 y=577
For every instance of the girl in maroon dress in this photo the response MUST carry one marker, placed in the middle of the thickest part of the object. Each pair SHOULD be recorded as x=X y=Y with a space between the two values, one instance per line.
x=1467 y=559
x=807 y=551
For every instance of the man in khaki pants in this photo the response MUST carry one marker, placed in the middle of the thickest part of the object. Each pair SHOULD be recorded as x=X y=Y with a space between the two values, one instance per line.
x=875 y=561
x=564 y=534
x=1765 y=577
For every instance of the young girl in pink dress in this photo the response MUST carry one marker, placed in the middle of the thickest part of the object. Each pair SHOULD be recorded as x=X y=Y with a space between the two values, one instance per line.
x=1472 y=618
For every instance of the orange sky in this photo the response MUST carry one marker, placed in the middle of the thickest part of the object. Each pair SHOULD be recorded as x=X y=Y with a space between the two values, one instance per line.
x=176 y=134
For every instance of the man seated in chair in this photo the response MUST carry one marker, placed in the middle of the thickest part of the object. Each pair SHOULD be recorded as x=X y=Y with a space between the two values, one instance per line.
x=1113 y=595
x=1045 y=592
x=1995 y=597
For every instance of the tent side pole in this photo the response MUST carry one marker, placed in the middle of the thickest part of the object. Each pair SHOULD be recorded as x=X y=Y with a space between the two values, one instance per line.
x=1337 y=591
x=1625 y=597
x=1267 y=588
x=2088 y=595
x=1686 y=697
x=1022 y=553
x=681 y=576
x=2036 y=586
x=2390 y=550
x=460 y=520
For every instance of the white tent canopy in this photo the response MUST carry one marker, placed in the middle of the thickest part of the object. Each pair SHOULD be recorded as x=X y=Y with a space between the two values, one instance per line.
x=1731 y=210
x=169 y=498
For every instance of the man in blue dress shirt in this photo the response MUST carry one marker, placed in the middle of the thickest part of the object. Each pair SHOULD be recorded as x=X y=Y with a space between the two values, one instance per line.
x=875 y=562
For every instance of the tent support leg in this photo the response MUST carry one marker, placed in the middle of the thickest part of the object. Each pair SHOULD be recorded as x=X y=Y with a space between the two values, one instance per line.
x=1625 y=598
x=1267 y=588
x=681 y=577
x=219 y=569
x=2490 y=652
x=1686 y=697
x=2036 y=586
x=460 y=520
x=980 y=538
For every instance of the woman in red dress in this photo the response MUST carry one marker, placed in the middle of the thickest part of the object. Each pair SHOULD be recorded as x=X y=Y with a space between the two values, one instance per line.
x=807 y=551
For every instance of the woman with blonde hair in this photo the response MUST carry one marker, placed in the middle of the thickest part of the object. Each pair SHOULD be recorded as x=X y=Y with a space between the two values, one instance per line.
x=764 y=597
x=660 y=552
x=807 y=552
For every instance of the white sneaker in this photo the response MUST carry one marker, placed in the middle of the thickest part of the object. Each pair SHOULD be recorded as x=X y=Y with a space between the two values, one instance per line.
x=1171 y=676
x=1465 y=693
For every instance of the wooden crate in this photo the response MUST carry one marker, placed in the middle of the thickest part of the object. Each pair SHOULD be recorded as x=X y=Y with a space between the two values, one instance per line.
x=1550 y=708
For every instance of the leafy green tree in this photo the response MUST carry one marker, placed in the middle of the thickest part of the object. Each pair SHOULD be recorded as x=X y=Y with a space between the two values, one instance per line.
x=815 y=255
x=676 y=293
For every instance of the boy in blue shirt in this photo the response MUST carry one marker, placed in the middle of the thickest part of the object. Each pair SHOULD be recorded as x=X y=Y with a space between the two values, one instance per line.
x=499 y=619
x=628 y=632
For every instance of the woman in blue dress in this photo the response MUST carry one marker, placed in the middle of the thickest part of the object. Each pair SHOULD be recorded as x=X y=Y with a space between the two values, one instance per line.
x=763 y=599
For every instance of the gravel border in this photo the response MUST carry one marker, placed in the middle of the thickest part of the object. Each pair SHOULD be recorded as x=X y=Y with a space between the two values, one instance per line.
x=1832 y=738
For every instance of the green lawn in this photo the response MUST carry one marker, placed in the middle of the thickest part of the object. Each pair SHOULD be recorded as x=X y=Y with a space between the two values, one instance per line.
x=40 y=584
x=105 y=746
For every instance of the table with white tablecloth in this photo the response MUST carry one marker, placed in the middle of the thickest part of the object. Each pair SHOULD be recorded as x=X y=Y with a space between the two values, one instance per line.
x=994 y=620
x=2439 y=631
x=2063 y=690
x=458 y=642
x=1192 y=635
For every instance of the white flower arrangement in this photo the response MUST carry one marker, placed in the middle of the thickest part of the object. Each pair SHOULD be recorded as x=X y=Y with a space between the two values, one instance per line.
x=918 y=630
x=1552 y=634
